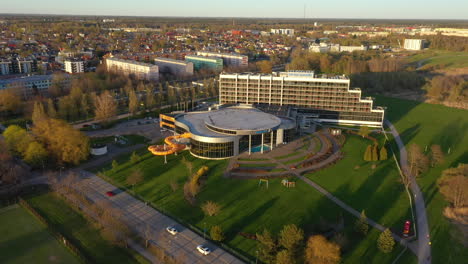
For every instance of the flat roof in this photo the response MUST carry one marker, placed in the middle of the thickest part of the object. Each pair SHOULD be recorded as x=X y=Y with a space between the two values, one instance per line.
x=232 y=118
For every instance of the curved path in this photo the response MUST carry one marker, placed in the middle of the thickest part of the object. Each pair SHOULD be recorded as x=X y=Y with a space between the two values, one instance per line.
x=423 y=242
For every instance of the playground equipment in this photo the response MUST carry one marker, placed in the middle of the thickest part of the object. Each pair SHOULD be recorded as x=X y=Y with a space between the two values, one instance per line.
x=263 y=181
x=288 y=184
x=170 y=146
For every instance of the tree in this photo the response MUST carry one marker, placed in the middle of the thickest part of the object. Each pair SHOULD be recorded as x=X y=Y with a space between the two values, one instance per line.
x=383 y=155
x=211 y=208
x=265 y=66
x=105 y=106
x=189 y=165
x=115 y=164
x=38 y=113
x=51 y=112
x=284 y=257
x=385 y=242
x=133 y=103
x=368 y=153
x=36 y=154
x=361 y=225
x=217 y=233
x=454 y=185
x=437 y=155
x=364 y=131
x=136 y=177
x=64 y=143
x=418 y=162
x=291 y=238
x=135 y=158
x=10 y=102
x=375 y=152
x=148 y=234
x=266 y=246
x=320 y=251
x=17 y=139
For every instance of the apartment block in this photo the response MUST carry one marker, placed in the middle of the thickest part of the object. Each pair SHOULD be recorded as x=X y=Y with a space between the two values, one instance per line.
x=174 y=67
x=74 y=66
x=202 y=62
x=143 y=71
x=309 y=97
x=29 y=86
x=414 y=44
x=229 y=59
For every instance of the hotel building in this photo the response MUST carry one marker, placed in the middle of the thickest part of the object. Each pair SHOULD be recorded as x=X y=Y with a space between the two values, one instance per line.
x=310 y=97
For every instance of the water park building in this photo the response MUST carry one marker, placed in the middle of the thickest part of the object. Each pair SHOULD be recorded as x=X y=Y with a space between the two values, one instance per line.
x=310 y=97
x=225 y=132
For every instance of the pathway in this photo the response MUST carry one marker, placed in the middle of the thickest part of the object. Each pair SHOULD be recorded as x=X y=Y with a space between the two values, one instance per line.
x=423 y=247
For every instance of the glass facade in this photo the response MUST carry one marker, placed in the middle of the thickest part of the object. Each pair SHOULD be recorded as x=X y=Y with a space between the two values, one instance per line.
x=212 y=150
x=289 y=135
x=219 y=130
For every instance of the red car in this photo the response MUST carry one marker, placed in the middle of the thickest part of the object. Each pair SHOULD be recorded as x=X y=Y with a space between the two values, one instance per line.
x=110 y=193
x=407 y=228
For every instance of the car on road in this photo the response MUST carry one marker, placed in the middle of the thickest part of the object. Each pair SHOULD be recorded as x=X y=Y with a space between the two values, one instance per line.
x=110 y=193
x=406 y=229
x=203 y=249
x=172 y=230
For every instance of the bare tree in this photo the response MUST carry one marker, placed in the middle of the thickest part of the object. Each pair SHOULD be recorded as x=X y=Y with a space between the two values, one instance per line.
x=211 y=208
x=105 y=106
x=454 y=185
x=418 y=162
x=148 y=234
x=437 y=155
x=136 y=177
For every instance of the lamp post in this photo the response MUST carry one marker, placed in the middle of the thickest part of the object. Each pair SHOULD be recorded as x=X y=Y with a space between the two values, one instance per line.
x=256 y=257
x=204 y=230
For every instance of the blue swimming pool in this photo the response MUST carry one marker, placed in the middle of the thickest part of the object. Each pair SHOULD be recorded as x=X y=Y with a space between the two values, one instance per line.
x=259 y=148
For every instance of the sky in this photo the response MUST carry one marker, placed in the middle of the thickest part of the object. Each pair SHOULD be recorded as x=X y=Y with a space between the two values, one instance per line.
x=397 y=9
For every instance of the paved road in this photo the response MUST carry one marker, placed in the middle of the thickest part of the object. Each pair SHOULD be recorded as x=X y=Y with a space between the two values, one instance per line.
x=424 y=248
x=343 y=205
x=139 y=215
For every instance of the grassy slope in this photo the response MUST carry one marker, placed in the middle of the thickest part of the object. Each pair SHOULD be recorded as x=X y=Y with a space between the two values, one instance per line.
x=426 y=124
x=24 y=239
x=446 y=59
x=245 y=206
x=86 y=237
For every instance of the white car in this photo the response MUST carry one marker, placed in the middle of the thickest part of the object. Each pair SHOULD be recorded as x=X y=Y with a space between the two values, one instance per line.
x=203 y=249
x=172 y=230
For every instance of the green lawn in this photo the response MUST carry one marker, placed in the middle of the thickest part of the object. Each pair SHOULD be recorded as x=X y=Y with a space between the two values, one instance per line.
x=440 y=59
x=246 y=207
x=74 y=226
x=427 y=124
x=24 y=239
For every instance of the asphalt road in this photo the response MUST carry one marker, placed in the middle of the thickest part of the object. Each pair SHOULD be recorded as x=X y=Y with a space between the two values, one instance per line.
x=138 y=215
x=424 y=247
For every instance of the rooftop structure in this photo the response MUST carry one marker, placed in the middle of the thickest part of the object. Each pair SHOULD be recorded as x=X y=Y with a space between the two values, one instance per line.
x=312 y=98
x=141 y=70
x=226 y=132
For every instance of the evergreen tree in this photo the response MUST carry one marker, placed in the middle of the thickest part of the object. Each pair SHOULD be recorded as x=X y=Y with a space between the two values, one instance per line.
x=51 y=112
x=375 y=152
x=385 y=243
x=134 y=158
x=383 y=153
x=368 y=153
x=217 y=233
x=39 y=113
x=361 y=225
x=115 y=164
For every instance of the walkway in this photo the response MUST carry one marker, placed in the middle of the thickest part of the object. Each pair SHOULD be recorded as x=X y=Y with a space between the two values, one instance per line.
x=423 y=247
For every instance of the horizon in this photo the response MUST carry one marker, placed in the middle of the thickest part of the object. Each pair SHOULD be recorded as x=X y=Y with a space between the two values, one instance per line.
x=274 y=9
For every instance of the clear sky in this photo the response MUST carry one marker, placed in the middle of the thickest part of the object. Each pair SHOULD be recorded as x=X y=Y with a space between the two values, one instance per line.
x=399 y=9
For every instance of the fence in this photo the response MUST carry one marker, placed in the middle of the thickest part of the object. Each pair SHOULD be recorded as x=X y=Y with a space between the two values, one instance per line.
x=55 y=233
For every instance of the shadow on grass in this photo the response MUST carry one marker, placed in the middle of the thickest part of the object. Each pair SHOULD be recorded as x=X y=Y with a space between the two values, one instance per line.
x=451 y=134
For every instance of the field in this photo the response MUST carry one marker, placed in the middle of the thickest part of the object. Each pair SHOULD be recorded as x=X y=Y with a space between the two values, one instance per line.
x=439 y=59
x=246 y=207
x=24 y=239
x=427 y=124
x=82 y=234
